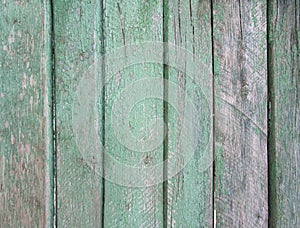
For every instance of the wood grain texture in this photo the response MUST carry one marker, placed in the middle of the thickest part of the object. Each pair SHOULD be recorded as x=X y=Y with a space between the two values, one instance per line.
x=189 y=193
x=77 y=47
x=25 y=114
x=283 y=19
x=240 y=57
x=251 y=46
x=132 y=22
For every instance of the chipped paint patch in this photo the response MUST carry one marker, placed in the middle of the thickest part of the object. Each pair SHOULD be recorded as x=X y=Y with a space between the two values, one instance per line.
x=12 y=139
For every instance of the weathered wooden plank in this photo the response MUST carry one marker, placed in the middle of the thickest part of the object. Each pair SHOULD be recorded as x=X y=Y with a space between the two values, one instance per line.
x=189 y=192
x=25 y=114
x=240 y=55
x=284 y=92
x=77 y=47
x=126 y=205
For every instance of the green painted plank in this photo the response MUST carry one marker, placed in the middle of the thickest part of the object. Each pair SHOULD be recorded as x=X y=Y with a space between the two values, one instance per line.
x=25 y=114
x=133 y=198
x=240 y=69
x=284 y=26
x=77 y=47
x=189 y=192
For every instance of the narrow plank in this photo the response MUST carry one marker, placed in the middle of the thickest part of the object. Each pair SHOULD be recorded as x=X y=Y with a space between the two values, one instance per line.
x=189 y=192
x=137 y=203
x=240 y=57
x=283 y=55
x=77 y=48
x=25 y=114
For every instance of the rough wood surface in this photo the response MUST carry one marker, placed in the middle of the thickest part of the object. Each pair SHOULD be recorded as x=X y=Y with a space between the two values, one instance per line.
x=253 y=47
x=25 y=116
x=240 y=69
x=284 y=86
x=77 y=35
x=132 y=22
x=189 y=193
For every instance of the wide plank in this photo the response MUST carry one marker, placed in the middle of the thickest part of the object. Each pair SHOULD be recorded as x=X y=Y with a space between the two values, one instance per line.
x=25 y=114
x=190 y=140
x=240 y=57
x=133 y=198
x=77 y=51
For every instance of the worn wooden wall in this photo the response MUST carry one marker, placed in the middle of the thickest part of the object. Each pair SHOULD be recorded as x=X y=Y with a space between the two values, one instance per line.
x=239 y=67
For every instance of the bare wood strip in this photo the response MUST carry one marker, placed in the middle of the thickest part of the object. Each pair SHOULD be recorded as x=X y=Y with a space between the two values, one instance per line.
x=240 y=56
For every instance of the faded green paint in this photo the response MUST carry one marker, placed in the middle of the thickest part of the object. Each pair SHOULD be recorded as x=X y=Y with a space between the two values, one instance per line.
x=83 y=30
x=284 y=91
x=133 y=22
x=25 y=114
x=77 y=34
x=240 y=197
x=190 y=192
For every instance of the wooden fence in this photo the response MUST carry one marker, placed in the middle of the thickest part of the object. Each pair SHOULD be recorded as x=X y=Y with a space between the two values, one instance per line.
x=233 y=162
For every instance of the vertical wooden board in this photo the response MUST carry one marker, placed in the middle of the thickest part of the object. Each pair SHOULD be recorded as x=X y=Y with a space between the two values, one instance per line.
x=284 y=26
x=189 y=192
x=241 y=113
x=132 y=22
x=77 y=45
x=25 y=129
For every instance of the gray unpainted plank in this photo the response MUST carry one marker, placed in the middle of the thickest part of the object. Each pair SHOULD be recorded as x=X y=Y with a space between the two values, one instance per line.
x=240 y=55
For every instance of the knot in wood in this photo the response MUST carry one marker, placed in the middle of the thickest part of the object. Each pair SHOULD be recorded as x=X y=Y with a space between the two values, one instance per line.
x=148 y=160
x=244 y=89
